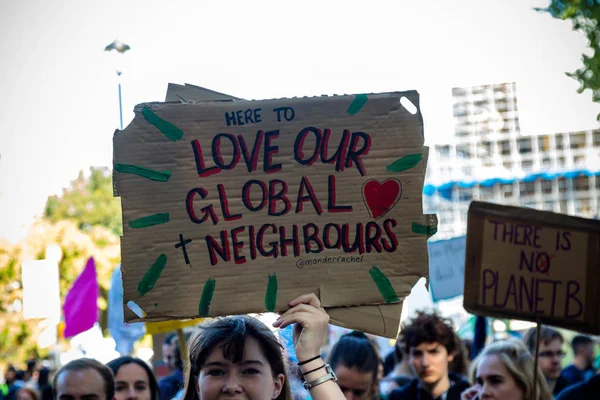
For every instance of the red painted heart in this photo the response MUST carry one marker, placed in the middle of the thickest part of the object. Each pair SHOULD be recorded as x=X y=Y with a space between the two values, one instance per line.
x=381 y=197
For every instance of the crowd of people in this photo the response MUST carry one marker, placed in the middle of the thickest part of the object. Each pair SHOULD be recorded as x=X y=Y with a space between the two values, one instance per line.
x=241 y=358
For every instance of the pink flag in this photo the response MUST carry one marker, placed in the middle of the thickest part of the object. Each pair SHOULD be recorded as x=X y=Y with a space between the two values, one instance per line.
x=80 y=308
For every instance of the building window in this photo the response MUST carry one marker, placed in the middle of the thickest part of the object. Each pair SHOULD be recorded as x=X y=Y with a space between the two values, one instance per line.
x=443 y=151
x=543 y=143
x=460 y=110
x=559 y=142
x=546 y=162
x=564 y=207
x=596 y=138
x=463 y=150
x=582 y=183
x=577 y=140
x=507 y=190
x=459 y=92
x=560 y=161
x=583 y=206
x=507 y=164
x=524 y=145
x=504 y=147
x=486 y=193
x=527 y=165
x=501 y=105
x=527 y=188
x=487 y=146
x=465 y=194
x=562 y=185
x=546 y=186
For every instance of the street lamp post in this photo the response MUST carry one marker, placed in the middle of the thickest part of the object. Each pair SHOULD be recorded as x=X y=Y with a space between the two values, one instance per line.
x=120 y=48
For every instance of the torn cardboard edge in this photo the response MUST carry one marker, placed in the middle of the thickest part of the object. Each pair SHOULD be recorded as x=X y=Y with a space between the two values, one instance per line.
x=383 y=319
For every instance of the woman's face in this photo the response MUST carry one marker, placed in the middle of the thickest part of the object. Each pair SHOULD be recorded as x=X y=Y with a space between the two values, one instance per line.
x=249 y=379
x=355 y=384
x=495 y=381
x=131 y=382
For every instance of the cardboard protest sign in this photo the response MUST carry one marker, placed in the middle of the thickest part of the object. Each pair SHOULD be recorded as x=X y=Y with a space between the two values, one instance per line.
x=381 y=319
x=533 y=265
x=447 y=267
x=239 y=206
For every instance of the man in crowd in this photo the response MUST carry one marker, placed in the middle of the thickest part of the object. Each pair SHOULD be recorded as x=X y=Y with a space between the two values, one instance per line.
x=550 y=356
x=173 y=383
x=583 y=364
x=84 y=379
x=431 y=345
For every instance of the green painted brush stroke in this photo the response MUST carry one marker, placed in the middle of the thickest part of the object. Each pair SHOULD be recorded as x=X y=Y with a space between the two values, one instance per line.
x=358 y=103
x=384 y=285
x=424 y=229
x=161 y=176
x=271 y=295
x=168 y=129
x=404 y=163
x=206 y=298
x=149 y=220
x=149 y=280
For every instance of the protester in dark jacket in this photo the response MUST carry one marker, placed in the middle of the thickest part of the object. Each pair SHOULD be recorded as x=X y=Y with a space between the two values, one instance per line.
x=431 y=345
x=589 y=390
x=170 y=385
x=582 y=368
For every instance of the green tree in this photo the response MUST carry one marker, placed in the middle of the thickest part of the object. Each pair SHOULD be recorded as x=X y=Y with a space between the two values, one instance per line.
x=585 y=17
x=84 y=222
x=89 y=201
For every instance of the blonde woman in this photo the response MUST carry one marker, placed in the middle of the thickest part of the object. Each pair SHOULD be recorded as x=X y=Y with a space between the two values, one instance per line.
x=504 y=370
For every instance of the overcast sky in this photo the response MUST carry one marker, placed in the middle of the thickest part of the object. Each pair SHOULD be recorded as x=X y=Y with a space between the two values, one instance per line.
x=59 y=107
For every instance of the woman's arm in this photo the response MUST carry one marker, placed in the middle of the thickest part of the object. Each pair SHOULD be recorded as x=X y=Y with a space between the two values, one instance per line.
x=309 y=333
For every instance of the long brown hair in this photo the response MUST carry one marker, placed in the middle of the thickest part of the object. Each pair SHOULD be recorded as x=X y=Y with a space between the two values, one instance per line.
x=519 y=363
x=230 y=334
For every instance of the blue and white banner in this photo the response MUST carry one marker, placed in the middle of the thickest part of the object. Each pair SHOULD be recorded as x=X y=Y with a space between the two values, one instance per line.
x=447 y=268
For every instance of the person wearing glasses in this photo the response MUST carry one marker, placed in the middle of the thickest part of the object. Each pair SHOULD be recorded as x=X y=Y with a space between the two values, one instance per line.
x=550 y=356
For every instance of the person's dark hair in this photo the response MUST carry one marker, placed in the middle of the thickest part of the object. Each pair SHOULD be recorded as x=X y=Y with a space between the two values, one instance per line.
x=20 y=375
x=392 y=359
x=88 y=363
x=459 y=364
x=173 y=339
x=580 y=341
x=547 y=335
x=117 y=363
x=31 y=364
x=428 y=327
x=43 y=376
x=468 y=347
x=355 y=350
x=230 y=334
x=44 y=384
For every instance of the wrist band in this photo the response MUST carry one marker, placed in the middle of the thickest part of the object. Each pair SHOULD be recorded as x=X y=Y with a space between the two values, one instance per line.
x=311 y=371
x=300 y=363
x=329 y=377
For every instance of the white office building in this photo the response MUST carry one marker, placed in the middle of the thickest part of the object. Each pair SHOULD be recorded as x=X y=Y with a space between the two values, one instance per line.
x=489 y=159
